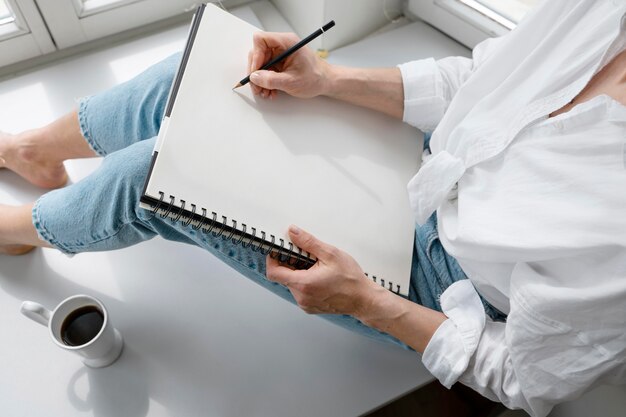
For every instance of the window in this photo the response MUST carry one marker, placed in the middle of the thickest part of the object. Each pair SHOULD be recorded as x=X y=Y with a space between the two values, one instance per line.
x=5 y=14
x=23 y=34
x=9 y=26
x=29 y=28
x=88 y=7
x=507 y=12
x=71 y=22
x=471 y=21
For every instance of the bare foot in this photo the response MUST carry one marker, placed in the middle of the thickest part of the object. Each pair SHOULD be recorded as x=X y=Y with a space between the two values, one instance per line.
x=15 y=250
x=17 y=232
x=20 y=154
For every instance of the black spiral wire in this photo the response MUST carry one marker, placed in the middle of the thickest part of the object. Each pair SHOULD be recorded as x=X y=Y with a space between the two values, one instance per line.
x=290 y=255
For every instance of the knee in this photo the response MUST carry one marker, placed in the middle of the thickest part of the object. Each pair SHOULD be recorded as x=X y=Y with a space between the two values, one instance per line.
x=131 y=162
x=169 y=65
x=127 y=170
x=160 y=78
x=163 y=72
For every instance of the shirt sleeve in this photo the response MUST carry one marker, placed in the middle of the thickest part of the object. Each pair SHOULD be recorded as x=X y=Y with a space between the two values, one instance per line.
x=430 y=85
x=471 y=349
x=491 y=372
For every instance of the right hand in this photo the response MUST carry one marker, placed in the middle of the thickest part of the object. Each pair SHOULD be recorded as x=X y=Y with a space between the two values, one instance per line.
x=303 y=74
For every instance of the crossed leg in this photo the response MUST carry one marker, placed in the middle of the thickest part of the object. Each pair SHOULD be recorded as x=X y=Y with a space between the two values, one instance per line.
x=125 y=115
x=37 y=156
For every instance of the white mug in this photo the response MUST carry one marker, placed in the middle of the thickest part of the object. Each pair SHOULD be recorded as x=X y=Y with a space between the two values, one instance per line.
x=102 y=350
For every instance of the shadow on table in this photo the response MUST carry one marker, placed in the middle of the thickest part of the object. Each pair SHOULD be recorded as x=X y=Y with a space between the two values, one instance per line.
x=199 y=337
x=119 y=390
x=151 y=337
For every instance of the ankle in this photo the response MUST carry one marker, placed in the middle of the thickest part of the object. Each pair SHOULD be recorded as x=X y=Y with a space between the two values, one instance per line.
x=17 y=232
x=35 y=157
x=31 y=146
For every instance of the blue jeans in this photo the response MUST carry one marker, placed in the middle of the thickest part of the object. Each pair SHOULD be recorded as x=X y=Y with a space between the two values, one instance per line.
x=102 y=212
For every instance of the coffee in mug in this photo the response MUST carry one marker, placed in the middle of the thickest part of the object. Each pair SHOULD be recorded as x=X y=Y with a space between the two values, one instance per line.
x=80 y=324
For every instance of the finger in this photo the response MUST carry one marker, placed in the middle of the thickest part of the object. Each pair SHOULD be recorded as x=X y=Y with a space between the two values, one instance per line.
x=250 y=61
x=272 y=271
x=262 y=51
x=293 y=278
x=257 y=60
x=311 y=310
x=255 y=90
x=259 y=46
x=276 y=272
x=267 y=45
x=271 y=80
x=276 y=41
x=311 y=244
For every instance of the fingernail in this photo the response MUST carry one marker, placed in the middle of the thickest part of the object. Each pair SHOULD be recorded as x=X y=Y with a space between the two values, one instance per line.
x=294 y=229
x=254 y=77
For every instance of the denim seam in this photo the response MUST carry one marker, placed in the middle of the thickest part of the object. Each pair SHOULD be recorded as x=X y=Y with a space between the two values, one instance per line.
x=43 y=232
x=146 y=223
x=437 y=275
x=64 y=247
x=108 y=236
x=225 y=255
x=84 y=128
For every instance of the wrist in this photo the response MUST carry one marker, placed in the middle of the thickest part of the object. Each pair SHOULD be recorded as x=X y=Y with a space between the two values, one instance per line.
x=331 y=79
x=407 y=321
x=380 y=89
x=380 y=307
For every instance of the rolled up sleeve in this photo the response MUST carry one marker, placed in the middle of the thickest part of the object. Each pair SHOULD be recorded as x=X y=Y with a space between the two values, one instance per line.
x=470 y=349
x=430 y=85
x=449 y=351
x=424 y=104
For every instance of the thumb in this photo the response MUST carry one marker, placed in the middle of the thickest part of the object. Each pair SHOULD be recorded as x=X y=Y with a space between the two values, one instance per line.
x=271 y=80
x=311 y=244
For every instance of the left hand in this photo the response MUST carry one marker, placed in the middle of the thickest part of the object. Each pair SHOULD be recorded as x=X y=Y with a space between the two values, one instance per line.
x=336 y=284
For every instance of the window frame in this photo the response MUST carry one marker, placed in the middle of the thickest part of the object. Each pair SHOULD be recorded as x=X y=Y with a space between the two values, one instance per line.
x=42 y=27
x=89 y=7
x=26 y=37
x=70 y=25
x=68 y=28
x=459 y=20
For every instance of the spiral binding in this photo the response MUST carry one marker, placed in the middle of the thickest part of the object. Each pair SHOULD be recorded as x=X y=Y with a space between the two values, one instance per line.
x=257 y=241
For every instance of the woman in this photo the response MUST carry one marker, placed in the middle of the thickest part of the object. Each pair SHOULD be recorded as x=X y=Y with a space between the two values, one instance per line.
x=523 y=194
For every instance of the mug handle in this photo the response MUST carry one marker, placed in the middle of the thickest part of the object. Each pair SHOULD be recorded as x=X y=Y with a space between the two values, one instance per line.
x=36 y=312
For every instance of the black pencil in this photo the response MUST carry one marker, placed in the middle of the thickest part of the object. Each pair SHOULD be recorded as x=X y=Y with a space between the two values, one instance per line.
x=289 y=51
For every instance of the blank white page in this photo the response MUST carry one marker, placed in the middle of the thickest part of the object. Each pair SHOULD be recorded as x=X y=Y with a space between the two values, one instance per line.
x=333 y=169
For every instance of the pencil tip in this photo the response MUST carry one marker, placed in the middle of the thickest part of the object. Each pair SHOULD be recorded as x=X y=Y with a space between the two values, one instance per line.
x=237 y=86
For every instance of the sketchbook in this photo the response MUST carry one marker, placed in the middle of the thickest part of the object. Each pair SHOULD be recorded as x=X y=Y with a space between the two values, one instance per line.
x=243 y=168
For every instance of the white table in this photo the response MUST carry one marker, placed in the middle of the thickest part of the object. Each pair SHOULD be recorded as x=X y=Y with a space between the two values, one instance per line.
x=199 y=338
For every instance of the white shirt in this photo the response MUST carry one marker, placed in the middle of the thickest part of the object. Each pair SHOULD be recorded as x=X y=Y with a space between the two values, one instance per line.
x=538 y=222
